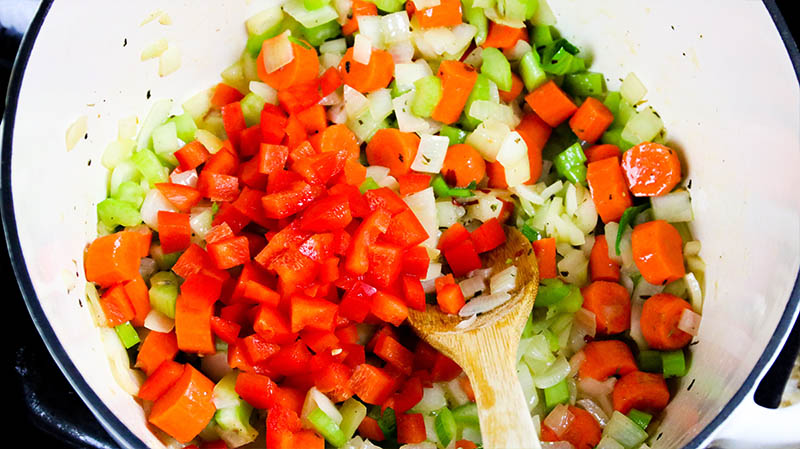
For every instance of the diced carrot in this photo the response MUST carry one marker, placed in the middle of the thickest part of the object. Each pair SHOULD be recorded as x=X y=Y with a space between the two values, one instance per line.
x=116 y=306
x=660 y=317
x=450 y=299
x=411 y=183
x=497 y=175
x=651 y=169
x=303 y=68
x=591 y=120
x=602 y=267
x=502 y=36
x=658 y=252
x=534 y=132
x=609 y=191
x=159 y=382
x=139 y=296
x=365 y=78
x=457 y=81
x=606 y=358
x=599 y=152
x=360 y=8
x=446 y=14
x=339 y=137
x=392 y=148
x=545 y=250
x=551 y=104
x=113 y=258
x=155 y=349
x=583 y=432
x=371 y=384
x=389 y=308
x=193 y=310
x=642 y=391
x=144 y=235
x=186 y=408
x=463 y=165
x=611 y=305
x=516 y=88
x=313 y=119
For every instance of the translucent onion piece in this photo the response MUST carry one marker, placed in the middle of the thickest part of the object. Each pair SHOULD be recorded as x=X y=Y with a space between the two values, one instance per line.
x=557 y=372
x=147 y=267
x=128 y=379
x=169 y=61
x=695 y=293
x=483 y=303
x=265 y=91
x=338 y=46
x=362 y=49
x=154 y=202
x=559 y=419
x=355 y=103
x=200 y=220
x=632 y=89
x=396 y=27
x=215 y=366
x=277 y=52
x=673 y=207
x=157 y=321
x=465 y=324
x=471 y=286
x=575 y=362
x=209 y=140
x=423 y=204
x=557 y=445
x=380 y=103
x=689 y=322
x=691 y=248
x=402 y=52
x=184 y=178
x=154 y=49
x=331 y=99
x=504 y=281
x=597 y=413
x=371 y=27
x=76 y=132
x=430 y=154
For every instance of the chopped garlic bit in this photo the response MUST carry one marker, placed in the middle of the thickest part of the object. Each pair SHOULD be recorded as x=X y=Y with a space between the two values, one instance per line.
x=152 y=16
x=76 y=131
x=155 y=49
x=165 y=19
x=169 y=61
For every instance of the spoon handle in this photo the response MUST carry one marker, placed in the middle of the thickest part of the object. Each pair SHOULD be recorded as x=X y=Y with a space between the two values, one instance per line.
x=503 y=412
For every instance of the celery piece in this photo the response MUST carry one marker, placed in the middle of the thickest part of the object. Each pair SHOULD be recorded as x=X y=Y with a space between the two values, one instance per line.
x=117 y=152
x=234 y=424
x=353 y=412
x=164 y=292
x=321 y=33
x=570 y=164
x=572 y=302
x=150 y=167
x=531 y=71
x=252 y=105
x=127 y=334
x=315 y=4
x=427 y=96
x=626 y=432
x=497 y=68
x=112 y=212
x=552 y=340
x=368 y=184
x=396 y=92
x=586 y=84
x=557 y=394
x=390 y=5
x=185 y=126
x=515 y=9
x=387 y=421
x=131 y=193
x=456 y=135
x=220 y=345
x=649 y=361
x=477 y=18
x=551 y=292
x=481 y=90
x=254 y=41
x=445 y=426
x=224 y=393
x=640 y=418
x=562 y=63
x=165 y=138
x=627 y=219
x=673 y=363
x=612 y=102
x=530 y=233
x=614 y=137
x=326 y=427
x=466 y=415
x=163 y=261
x=541 y=35
x=625 y=111
x=644 y=126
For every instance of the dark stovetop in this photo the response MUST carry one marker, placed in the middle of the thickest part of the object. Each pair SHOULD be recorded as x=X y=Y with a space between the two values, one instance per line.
x=44 y=408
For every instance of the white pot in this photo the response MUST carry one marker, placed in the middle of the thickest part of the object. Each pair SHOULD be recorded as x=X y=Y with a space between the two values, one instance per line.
x=717 y=72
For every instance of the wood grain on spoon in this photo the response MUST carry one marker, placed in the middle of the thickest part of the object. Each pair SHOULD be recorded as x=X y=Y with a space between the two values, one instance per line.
x=487 y=349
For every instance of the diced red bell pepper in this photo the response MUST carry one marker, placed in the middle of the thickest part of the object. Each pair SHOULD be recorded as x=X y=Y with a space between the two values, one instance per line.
x=357 y=301
x=321 y=168
x=234 y=217
x=181 y=196
x=319 y=340
x=292 y=359
x=358 y=203
x=116 y=306
x=174 y=231
x=233 y=121
x=372 y=384
x=273 y=124
x=250 y=176
x=406 y=230
x=295 y=268
x=413 y=292
x=299 y=152
x=370 y=429
x=295 y=133
x=289 y=237
x=411 y=428
x=249 y=204
x=488 y=236
x=229 y=253
x=297 y=196
x=257 y=390
x=273 y=326
x=334 y=380
x=159 y=382
x=193 y=311
x=272 y=158
x=192 y=261
x=462 y=258
x=416 y=261
x=312 y=313
x=227 y=331
x=249 y=141
x=329 y=270
x=386 y=262
x=191 y=155
x=259 y=349
x=392 y=352
x=355 y=355
x=260 y=293
x=385 y=198
x=225 y=161
x=444 y=369
x=219 y=232
x=413 y=182
x=454 y=235
x=366 y=234
x=327 y=214
x=318 y=247
x=409 y=395
x=139 y=296
x=218 y=187
x=225 y=94
x=450 y=298
x=389 y=308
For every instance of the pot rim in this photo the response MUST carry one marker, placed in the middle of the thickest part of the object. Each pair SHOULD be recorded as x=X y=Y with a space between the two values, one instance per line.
x=121 y=433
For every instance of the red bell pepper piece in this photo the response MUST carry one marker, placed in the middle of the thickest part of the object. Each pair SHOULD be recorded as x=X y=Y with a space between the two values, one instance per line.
x=294 y=268
x=413 y=292
x=273 y=326
x=191 y=155
x=330 y=81
x=318 y=247
x=371 y=384
x=462 y=257
x=386 y=262
x=389 y=308
x=289 y=237
x=357 y=301
x=250 y=141
x=191 y=261
x=227 y=331
x=295 y=198
x=327 y=214
x=358 y=203
x=488 y=236
x=444 y=369
x=413 y=182
x=257 y=390
x=272 y=158
x=366 y=234
x=392 y=352
x=174 y=231
x=385 y=198
x=193 y=311
x=139 y=296
x=312 y=313
x=273 y=124
x=450 y=298
x=416 y=261
x=291 y=360
x=334 y=380
x=454 y=235
x=295 y=133
x=320 y=168
x=218 y=187
x=409 y=395
x=250 y=176
x=229 y=253
x=299 y=97
x=116 y=306
x=258 y=349
x=233 y=121
x=234 y=217
x=369 y=427
x=314 y=119
x=282 y=423
x=225 y=94
x=406 y=230
x=181 y=196
x=411 y=428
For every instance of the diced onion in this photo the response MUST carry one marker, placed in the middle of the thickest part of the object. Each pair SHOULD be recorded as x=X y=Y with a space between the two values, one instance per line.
x=483 y=110
x=355 y=103
x=554 y=374
x=334 y=46
x=433 y=399
x=465 y=324
x=691 y=248
x=337 y=114
x=626 y=432
x=328 y=60
x=471 y=286
x=200 y=220
x=362 y=49
x=492 y=15
x=483 y=303
x=518 y=51
x=488 y=137
x=447 y=213
x=331 y=99
x=309 y=18
x=430 y=154
x=423 y=204
x=157 y=321
x=277 y=51
x=439 y=39
x=154 y=202
x=147 y=267
x=632 y=89
x=344 y=8
x=402 y=52
x=673 y=207
x=265 y=91
x=380 y=103
x=644 y=126
x=513 y=156
x=462 y=36
x=407 y=73
x=396 y=27
x=129 y=379
x=487 y=207
x=504 y=281
x=689 y=322
x=584 y=325
x=552 y=189
x=695 y=292
x=154 y=49
x=198 y=105
x=117 y=151
x=557 y=445
x=184 y=178
x=76 y=131
x=372 y=28
x=475 y=57
x=209 y=140
x=169 y=61
x=456 y=396
x=575 y=362
x=262 y=21
x=559 y=419
x=597 y=413
x=528 y=193
x=573 y=268
x=216 y=366
x=316 y=399
x=424 y=4
x=406 y=121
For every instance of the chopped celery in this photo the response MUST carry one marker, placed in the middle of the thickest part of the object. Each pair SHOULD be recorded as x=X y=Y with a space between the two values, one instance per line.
x=624 y=431
x=514 y=9
x=531 y=6
x=440 y=187
x=428 y=92
x=445 y=426
x=163 y=261
x=627 y=219
x=477 y=18
x=124 y=171
x=165 y=139
x=164 y=292
x=586 y=84
x=254 y=41
x=551 y=292
x=368 y=184
x=612 y=102
x=650 y=361
x=395 y=89
x=252 y=105
x=113 y=212
x=353 y=412
x=117 y=151
x=614 y=137
x=557 y=394
x=530 y=233
x=150 y=167
x=552 y=340
x=456 y=135
x=640 y=418
x=127 y=334
x=309 y=18
x=321 y=33
x=466 y=415
x=563 y=62
x=644 y=126
x=185 y=126
x=531 y=71
x=673 y=363
x=541 y=35
x=625 y=111
x=497 y=68
x=570 y=164
x=481 y=90
x=131 y=193
x=234 y=424
x=323 y=424
x=158 y=114
x=224 y=394
x=315 y=4
x=389 y=5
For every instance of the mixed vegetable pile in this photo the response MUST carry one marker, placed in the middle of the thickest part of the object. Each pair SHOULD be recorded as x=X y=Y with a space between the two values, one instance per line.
x=260 y=249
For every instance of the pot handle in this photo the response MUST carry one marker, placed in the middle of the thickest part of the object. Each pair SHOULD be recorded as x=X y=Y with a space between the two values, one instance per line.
x=757 y=422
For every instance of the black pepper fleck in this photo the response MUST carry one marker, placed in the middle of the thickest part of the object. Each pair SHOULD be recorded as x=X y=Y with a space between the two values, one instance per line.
x=86 y=136
x=125 y=42
x=400 y=157
x=148 y=94
x=691 y=384
x=347 y=66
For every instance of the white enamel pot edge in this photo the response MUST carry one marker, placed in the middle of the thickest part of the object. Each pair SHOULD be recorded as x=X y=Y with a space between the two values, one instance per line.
x=118 y=413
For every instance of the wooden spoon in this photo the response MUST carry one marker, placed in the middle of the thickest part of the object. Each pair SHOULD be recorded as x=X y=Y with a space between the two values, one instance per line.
x=487 y=349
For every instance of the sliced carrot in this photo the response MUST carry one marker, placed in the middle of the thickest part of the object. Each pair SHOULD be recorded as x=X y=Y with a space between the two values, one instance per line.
x=601 y=267
x=599 y=152
x=155 y=349
x=314 y=119
x=392 y=148
x=113 y=258
x=651 y=169
x=360 y=8
x=186 y=408
x=339 y=137
x=534 y=132
x=159 y=382
x=497 y=175
x=660 y=317
x=551 y=104
x=302 y=69
x=611 y=305
x=658 y=252
x=139 y=296
x=503 y=36
x=545 y=250
x=516 y=89
x=609 y=191
x=463 y=165
x=591 y=120
x=446 y=14
x=365 y=78
x=642 y=391
x=606 y=358
x=583 y=432
x=457 y=82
